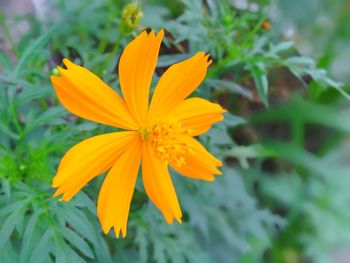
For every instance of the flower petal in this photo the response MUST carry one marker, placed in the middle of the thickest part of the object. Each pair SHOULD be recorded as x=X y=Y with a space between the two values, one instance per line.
x=136 y=68
x=200 y=164
x=87 y=96
x=179 y=81
x=197 y=115
x=88 y=159
x=158 y=185
x=117 y=190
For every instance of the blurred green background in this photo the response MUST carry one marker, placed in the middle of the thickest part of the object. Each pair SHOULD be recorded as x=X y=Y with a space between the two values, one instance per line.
x=281 y=68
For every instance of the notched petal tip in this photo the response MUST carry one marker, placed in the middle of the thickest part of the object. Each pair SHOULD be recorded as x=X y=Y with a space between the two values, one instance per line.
x=56 y=181
x=56 y=194
x=160 y=33
x=207 y=59
x=177 y=83
x=218 y=163
x=217 y=172
x=68 y=63
x=62 y=71
x=105 y=228
x=179 y=220
x=124 y=232
x=209 y=178
x=65 y=196
x=143 y=34
x=152 y=34
x=177 y=217
x=116 y=232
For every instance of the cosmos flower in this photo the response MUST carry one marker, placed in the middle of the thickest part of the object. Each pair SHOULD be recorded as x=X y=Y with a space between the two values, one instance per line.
x=156 y=135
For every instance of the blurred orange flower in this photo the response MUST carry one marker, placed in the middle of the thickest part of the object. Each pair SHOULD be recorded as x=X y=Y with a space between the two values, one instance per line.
x=266 y=24
x=158 y=135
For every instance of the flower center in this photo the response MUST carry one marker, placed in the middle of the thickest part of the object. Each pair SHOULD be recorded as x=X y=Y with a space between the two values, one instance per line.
x=144 y=133
x=165 y=138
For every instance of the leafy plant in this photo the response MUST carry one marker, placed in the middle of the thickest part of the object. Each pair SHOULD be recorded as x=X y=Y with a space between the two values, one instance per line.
x=277 y=200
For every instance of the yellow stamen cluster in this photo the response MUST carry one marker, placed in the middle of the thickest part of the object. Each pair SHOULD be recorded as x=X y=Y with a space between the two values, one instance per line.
x=144 y=133
x=165 y=138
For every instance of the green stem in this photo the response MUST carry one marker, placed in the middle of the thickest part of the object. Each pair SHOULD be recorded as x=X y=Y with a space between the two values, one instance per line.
x=298 y=133
x=111 y=55
x=104 y=41
x=7 y=33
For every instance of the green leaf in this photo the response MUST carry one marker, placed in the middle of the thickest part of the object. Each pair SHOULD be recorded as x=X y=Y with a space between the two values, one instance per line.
x=298 y=156
x=27 y=242
x=44 y=118
x=282 y=47
x=233 y=120
x=31 y=50
x=243 y=153
x=300 y=61
x=31 y=93
x=5 y=61
x=42 y=248
x=79 y=222
x=77 y=241
x=9 y=226
x=230 y=86
x=159 y=251
x=289 y=190
x=299 y=110
x=261 y=83
x=141 y=240
x=5 y=129
x=167 y=60
x=218 y=135
x=83 y=200
x=6 y=189
x=8 y=253
x=102 y=249
x=65 y=254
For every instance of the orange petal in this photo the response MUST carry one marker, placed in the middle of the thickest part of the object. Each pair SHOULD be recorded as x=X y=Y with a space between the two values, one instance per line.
x=117 y=190
x=179 y=81
x=87 y=96
x=199 y=163
x=197 y=114
x=88 y=159
x=158 y=185
x=136 y=68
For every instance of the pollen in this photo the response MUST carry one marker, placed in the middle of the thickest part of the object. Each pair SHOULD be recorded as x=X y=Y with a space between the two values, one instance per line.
x=165 y=138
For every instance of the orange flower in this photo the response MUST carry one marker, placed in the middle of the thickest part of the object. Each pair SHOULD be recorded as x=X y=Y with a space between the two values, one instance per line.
x=266 y=24
x=159 y=134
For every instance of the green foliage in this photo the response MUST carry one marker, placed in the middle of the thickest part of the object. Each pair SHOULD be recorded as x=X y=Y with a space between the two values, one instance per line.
x=283 y=193
x=241 y=47
x=37 y=228
x=312 y=194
